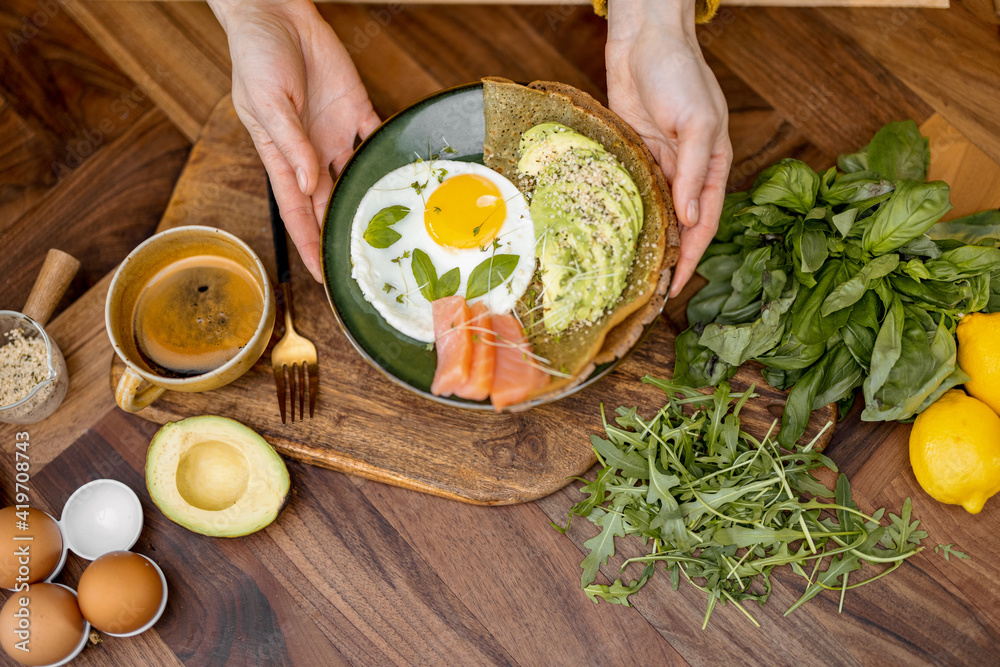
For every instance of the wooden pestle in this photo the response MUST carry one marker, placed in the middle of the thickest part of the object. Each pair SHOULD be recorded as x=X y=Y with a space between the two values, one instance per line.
x=57 y=273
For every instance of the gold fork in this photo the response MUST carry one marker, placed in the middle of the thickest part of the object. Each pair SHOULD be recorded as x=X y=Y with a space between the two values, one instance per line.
x=293 y=354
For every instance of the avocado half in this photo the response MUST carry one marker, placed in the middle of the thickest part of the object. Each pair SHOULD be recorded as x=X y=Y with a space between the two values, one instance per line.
x=215 y=476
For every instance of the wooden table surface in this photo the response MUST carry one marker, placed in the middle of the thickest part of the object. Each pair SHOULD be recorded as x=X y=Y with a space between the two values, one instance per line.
x=99 y=105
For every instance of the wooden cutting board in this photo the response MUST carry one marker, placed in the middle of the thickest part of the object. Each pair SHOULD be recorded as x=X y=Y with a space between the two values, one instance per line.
x=364 y=424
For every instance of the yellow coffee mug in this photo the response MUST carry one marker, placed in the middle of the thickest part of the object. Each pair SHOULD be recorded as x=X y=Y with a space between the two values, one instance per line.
x=143 y=381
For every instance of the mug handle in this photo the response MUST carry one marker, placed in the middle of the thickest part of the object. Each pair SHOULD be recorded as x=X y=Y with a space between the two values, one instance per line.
x=130 y=397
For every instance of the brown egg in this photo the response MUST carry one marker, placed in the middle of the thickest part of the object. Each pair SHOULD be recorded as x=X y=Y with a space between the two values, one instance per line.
x=120 y=592
x=42 y=625
x=27 y=560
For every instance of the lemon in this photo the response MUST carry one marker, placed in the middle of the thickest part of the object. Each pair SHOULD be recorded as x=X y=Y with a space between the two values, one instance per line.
x=955 y=451
x=979 y=356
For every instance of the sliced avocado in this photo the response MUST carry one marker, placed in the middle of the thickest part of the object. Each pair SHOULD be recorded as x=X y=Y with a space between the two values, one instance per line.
x=556 y=272
x=215 y=476
x=630 y=192
x=588 y=213
x=539 y=133
x=603 y=173
x=543 y=143
x=554 y=254
x=583 y=263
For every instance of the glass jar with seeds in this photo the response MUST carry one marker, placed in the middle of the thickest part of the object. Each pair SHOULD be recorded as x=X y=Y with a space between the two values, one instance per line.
x=33 y=377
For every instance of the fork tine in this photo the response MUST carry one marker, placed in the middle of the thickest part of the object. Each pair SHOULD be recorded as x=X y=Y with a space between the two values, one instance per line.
x=313 y=386
x=293 y=393
x=302 y=392
x=279 y=383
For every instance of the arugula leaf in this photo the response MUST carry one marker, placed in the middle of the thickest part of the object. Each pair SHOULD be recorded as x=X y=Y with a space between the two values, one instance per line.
x=490 y=273
x=840 y=567
x=617 y=593
x=629 y=463
x=725 y=525
x=602 y=545
x=902 y=535
x=947 y=551
x=379 y=233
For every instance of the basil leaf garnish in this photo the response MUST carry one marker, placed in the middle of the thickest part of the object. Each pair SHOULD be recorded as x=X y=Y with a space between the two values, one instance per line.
x=448 y=283
x=379 y=233
x=432 y=287
x=490 y=273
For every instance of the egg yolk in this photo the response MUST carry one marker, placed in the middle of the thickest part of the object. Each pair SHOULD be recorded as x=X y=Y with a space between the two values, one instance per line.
x=466 y=211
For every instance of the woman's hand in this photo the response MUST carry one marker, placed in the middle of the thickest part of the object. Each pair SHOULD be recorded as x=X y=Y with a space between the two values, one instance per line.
x=300 y=97
x=659 y=83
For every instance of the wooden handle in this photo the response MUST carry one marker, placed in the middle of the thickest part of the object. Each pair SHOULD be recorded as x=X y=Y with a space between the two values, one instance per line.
x=56 y=275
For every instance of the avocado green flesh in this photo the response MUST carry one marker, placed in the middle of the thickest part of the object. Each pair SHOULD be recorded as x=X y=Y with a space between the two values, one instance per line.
x=543 y=143
x=594 y=255
x=587 y=214
x=215 y=476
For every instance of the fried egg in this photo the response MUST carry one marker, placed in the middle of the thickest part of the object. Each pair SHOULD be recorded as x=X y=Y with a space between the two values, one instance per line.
x=462 y=216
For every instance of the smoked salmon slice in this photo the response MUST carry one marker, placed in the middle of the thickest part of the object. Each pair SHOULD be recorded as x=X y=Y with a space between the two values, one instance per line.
x=484 y=355
x=453 y=341
x=517 y=375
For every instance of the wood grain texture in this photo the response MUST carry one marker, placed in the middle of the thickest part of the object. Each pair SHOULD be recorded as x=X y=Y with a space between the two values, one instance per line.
x=467 y=455
x=356 y=572
x=177 y=54
x=959 y=161
x=985 y=10
x=25 y=164
x=587 y=3
x=61 y=98
x=834 y=91
x=958 y=75
x=104 y=207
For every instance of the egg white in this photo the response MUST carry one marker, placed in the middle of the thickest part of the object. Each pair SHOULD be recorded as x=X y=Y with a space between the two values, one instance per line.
x=374 y=268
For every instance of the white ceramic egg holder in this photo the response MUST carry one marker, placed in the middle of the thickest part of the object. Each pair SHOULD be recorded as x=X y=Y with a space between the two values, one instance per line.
x=100 y=517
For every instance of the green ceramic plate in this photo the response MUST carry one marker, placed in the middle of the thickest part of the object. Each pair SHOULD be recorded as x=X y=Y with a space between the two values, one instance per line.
x=452 y=117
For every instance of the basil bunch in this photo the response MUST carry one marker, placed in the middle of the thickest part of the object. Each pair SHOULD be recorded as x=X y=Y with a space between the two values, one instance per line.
x=833 y=283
